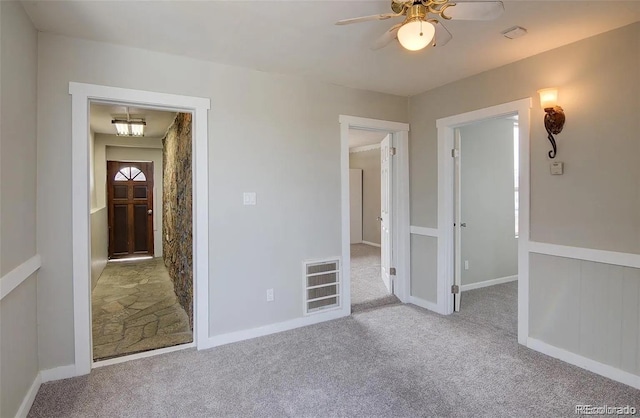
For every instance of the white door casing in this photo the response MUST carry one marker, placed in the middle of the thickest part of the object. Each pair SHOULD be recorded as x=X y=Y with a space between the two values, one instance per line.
x=386 y=191
x=81 y=95
x=446 y=262
x=401 y=224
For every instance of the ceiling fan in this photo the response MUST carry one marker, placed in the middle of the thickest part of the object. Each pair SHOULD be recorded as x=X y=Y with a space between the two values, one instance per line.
x=421 y=27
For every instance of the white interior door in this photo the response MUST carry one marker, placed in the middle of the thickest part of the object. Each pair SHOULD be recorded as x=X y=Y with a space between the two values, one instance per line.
x=355 y=201
x=385 y=212
x=458 y=225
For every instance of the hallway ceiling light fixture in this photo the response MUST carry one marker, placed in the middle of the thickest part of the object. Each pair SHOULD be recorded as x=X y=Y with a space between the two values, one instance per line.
x=419 y=30
x=129 y=126
x=554 y=116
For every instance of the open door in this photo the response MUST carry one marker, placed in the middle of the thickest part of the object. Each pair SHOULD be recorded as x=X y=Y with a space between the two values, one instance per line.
x=385 y=212
x=458 y=224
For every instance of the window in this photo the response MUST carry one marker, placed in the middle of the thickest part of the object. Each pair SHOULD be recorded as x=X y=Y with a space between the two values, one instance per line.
x=516 y=172
x=130 y=173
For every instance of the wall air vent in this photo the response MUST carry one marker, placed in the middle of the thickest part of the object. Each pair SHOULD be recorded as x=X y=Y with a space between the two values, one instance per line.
x=321 y=285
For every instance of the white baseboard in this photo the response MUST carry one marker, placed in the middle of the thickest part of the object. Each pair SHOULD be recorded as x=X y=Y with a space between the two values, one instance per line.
x=233 y=337
x=58 y=373
x=29 y=397
x=424 y=304
x=373 y=244
x=488 y=283
x=585 y=363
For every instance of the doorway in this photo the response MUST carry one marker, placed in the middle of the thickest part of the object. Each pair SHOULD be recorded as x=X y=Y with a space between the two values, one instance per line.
x=141 y=299
x=486 y=222
x=370 y=208
x=375 y=241
x=448 y=228
x=130 y=208
x=82 y=95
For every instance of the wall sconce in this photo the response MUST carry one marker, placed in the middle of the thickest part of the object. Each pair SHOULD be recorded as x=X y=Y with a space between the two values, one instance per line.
x=554 y=116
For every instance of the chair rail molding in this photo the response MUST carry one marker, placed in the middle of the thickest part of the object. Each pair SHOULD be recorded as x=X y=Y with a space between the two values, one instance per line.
x=15 y=277
x=586 y=254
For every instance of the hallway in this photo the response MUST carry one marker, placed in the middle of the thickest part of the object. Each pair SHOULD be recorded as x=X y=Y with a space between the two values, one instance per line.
x=367 y=288
x=134 y=309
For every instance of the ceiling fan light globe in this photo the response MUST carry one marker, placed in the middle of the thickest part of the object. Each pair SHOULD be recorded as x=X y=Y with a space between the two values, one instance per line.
x=416 y=35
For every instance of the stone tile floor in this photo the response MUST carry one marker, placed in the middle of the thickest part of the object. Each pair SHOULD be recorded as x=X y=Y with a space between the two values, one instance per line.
x=135 y=309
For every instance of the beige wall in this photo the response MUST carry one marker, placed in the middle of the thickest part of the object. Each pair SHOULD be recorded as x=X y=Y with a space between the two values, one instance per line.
x=592 y=206
x=489 y=241
x=272 y=134
x=18 y=327
x=369 y=162
x=595 y=204
x=18 y=149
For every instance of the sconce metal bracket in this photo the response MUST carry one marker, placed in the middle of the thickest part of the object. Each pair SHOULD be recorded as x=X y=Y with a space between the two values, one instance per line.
x=553 y=122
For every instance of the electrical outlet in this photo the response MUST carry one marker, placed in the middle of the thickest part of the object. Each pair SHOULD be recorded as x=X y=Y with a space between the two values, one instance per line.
x=269 y=295
x=466 y=264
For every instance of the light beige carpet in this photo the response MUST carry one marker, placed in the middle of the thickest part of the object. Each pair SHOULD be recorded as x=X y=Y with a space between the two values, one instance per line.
x=134 y=309
x=367 y=288
x=395 y=361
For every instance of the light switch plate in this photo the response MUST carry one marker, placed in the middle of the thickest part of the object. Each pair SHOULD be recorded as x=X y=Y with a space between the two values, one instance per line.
x=249 y=198
x=557 y=168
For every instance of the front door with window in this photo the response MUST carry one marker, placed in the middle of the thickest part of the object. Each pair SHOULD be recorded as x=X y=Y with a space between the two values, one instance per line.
x=130 y=201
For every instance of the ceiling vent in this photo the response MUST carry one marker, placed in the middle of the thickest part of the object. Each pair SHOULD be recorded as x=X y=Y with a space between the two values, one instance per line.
x=514 y=32
x=321 y=286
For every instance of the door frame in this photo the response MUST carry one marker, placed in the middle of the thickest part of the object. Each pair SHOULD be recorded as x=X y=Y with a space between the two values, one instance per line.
x=81 y=96
x=400 y=201
x=110 y=215
x=445 y=267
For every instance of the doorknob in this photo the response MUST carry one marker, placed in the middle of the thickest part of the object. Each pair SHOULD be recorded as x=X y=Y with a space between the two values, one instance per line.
x=149 y=211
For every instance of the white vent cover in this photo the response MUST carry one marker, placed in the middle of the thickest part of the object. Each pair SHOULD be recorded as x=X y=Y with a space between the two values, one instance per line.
x=321 y=285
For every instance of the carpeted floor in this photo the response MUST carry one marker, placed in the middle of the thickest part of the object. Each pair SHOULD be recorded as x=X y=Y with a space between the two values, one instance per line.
x=367 y=289
x=493 y=306
x=395 y=361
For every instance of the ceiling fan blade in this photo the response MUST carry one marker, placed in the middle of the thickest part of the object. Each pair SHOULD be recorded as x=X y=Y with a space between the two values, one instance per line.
x=386 y=37
x=442 y=36
x=367 y=18
x=473 y=10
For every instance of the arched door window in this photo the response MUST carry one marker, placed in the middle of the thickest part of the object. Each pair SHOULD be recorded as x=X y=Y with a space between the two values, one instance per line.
x=130 y=173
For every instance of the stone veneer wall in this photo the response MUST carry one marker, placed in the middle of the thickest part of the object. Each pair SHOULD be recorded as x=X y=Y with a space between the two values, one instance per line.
x=176 y=206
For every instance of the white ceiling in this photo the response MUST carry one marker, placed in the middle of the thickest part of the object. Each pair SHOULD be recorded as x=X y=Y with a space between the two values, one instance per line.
x=360 y=137
x=299 y=37
x=101 y=116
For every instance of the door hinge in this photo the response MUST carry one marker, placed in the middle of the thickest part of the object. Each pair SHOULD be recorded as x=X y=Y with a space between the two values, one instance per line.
x=455 y=289
x=392 y=151
x=392 y=271
x=455 y=153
